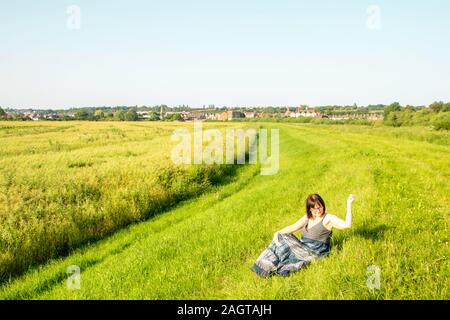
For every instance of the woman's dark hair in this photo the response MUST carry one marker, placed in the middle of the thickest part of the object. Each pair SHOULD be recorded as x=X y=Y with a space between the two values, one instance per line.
x=311 y=202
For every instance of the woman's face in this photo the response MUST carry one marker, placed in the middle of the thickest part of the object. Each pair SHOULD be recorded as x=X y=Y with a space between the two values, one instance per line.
x=316 y=211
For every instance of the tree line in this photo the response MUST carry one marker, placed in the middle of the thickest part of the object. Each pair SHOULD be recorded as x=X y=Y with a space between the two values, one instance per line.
x=435 y=115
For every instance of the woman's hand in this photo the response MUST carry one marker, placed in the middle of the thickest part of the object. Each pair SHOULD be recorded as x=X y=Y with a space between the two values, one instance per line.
x=275 y=238
x=350 y=199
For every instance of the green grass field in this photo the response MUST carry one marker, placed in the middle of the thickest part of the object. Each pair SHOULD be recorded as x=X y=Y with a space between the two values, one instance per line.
x=203 y=247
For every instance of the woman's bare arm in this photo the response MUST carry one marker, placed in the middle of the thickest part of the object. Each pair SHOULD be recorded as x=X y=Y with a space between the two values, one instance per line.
x=294 y=227
x=338 y=223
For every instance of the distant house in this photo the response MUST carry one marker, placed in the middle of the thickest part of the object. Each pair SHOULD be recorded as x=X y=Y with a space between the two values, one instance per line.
x=302 y=113
x=35 y=117
x=212 y=116
x=250 y=114
x=309 y=114
x=193 y=115
x=222 y=116
x=51 y=116
x=197 y=115
x=143 y=114
x=235 y=115
x=289 y=114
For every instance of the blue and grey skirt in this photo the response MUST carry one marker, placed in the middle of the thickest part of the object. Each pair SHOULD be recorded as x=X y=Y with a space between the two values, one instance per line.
x=291 y=254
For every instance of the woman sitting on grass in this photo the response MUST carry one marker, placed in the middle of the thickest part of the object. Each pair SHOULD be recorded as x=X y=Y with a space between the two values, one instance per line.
x=287 y=253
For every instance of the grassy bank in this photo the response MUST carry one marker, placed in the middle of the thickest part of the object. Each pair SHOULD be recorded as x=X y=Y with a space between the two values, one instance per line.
x=204 y=248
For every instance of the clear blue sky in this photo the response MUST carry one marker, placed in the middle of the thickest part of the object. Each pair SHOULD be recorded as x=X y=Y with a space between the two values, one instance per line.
x=223 y=53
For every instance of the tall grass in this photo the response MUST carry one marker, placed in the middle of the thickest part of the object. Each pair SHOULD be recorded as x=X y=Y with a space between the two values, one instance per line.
x=65 y=186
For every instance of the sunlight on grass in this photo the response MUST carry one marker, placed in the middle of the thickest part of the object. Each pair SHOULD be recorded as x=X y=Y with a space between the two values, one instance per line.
x=204 y=247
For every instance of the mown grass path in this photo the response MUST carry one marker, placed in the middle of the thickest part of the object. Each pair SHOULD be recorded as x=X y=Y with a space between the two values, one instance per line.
x=204 y=248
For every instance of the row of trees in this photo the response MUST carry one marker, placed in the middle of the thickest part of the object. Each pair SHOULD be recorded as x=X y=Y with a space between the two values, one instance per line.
x=121 y=115
x=437 y=115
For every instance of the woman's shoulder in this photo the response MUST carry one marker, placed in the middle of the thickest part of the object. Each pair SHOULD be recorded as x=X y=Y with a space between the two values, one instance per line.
x=327 y=219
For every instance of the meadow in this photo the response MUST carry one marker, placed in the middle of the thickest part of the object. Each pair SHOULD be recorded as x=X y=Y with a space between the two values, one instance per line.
x=92 y=195
x=63 y=186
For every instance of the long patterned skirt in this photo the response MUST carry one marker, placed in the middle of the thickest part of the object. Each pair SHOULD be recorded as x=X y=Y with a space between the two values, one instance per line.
x=291 y=254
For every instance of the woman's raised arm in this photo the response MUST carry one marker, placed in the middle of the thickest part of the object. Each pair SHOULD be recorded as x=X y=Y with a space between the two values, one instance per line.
x=339 y=223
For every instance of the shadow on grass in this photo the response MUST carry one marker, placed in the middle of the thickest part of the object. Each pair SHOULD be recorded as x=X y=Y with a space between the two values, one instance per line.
x=368 y=232
x=62 y=275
